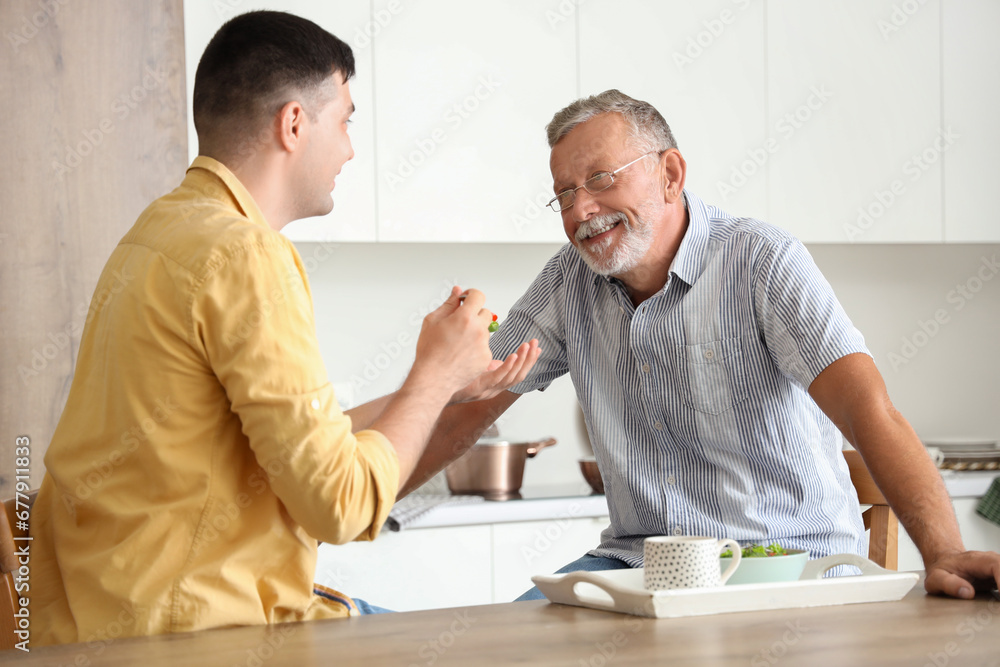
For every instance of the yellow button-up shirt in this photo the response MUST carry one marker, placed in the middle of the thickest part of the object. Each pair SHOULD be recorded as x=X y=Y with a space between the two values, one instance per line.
x=201 y=453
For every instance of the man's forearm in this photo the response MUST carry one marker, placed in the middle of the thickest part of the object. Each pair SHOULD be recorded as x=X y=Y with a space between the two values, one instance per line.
x=458 y=429
x=911 y=483
x=364 y=415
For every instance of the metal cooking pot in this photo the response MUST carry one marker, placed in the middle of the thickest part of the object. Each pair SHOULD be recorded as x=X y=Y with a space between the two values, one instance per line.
x=493 y=467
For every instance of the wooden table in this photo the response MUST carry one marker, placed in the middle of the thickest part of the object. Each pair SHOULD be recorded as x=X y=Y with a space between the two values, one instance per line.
x=918 y=630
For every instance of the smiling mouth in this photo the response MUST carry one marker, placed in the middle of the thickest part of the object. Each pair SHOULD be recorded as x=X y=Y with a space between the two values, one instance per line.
x=601 y=225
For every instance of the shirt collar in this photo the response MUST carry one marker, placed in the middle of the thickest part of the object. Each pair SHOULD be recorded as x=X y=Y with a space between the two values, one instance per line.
x=238 y=194
x=691 y=255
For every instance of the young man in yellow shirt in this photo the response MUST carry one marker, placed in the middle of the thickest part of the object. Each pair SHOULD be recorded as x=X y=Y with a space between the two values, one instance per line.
x=201 y=453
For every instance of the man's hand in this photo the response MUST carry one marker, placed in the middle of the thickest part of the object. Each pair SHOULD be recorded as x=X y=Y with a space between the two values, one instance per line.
x=453 y=347
x=500 y=376
x=961 y=574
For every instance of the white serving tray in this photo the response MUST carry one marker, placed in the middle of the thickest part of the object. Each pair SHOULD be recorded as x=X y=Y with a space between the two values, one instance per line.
x=622 y=590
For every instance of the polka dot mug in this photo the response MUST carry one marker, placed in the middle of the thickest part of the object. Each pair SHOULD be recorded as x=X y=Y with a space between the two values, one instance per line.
x=686 y=561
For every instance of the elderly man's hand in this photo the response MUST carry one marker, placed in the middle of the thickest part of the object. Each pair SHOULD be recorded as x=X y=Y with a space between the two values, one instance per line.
x=960 y=574
x=501 y=375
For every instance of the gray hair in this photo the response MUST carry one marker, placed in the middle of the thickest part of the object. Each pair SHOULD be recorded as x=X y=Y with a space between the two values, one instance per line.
x=647 y=128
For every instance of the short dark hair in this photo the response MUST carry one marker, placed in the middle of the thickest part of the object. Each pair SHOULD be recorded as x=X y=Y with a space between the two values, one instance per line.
x=256 y=63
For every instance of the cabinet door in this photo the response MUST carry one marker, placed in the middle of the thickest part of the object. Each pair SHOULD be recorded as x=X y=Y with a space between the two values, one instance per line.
x=971 y=98
x=522 y=550
x=463 y=92
x=854 y=94
x=701 y=64
x=353 y=215
x=426 y=568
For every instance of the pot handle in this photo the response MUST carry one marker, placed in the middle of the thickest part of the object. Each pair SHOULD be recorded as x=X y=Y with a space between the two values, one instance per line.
x=535 y=447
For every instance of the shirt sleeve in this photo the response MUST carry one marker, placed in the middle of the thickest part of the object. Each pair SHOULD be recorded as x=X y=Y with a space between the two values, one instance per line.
x=253 y=316
x=539 y=313
x=804 y=326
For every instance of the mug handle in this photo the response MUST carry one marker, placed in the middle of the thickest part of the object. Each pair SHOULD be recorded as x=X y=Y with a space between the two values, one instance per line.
x=737 y=550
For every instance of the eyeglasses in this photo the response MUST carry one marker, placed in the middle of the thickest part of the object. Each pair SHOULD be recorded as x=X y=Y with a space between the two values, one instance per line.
x=597 y=183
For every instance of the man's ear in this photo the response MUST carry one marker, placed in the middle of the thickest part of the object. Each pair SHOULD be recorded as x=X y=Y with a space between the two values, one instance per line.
x=291 y=125
x=673 y=168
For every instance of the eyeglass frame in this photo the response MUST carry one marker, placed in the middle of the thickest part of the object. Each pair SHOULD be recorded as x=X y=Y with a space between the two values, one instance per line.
x=593 y=178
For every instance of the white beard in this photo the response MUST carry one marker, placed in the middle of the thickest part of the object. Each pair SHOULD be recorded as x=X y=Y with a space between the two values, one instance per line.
x=606 y=260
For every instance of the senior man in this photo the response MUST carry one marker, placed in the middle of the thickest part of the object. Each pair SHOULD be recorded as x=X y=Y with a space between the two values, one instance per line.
x=715 y=367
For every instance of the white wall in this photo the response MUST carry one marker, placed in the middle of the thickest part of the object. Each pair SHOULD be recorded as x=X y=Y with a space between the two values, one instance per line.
x=369 y=300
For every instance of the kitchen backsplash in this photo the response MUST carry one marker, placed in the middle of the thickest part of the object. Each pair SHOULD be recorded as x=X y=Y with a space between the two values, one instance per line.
x=930 y=315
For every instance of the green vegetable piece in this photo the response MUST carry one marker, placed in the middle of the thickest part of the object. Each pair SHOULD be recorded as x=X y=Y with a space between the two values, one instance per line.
x=494 y=326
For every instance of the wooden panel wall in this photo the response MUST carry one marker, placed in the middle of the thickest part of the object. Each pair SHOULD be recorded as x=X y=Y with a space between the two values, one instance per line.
x=92 y=123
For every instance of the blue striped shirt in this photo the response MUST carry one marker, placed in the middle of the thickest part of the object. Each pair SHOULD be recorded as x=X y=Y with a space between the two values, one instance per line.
x=696 y=401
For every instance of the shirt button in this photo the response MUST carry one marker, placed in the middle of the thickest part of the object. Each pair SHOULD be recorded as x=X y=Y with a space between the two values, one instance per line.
x=658 y=426
x=645 y=368
x=678 y=530
x=671 y=480
x=315 y=404
x=709 y=353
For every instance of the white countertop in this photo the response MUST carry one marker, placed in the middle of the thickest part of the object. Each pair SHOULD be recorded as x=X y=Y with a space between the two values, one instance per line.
x=541 y=504
x=571 y=502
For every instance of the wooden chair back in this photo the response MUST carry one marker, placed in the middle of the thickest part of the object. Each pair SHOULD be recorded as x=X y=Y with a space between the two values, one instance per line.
x=883 y=538
x=9 y=565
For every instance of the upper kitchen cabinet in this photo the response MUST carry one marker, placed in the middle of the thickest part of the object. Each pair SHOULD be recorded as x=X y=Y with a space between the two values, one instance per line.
x=353 y=216
x=701 y=64
x=854 y=105
x=463 y=92
x=971 y=99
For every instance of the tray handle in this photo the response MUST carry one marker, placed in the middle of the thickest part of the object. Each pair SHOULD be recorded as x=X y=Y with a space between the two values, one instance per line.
x=562 y=588
x=815 y=569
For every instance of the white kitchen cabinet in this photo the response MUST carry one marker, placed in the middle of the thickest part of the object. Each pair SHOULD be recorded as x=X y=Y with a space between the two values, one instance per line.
x=854 y=95
x=701 y=64
x=463 y=92
x=353 y=215
x=525 y=549
x=971 y=97
x=433 y=568
x=427 y=568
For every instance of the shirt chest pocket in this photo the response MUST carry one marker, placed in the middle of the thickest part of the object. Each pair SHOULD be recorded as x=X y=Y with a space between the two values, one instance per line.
x=711 y=376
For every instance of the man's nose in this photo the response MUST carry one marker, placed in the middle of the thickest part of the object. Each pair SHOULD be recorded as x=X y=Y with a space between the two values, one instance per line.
x=584 y=205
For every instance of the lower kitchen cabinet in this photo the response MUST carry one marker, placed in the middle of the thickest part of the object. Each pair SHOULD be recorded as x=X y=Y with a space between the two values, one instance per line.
x=424 y=568
x=522 y=550
x=433 y=568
